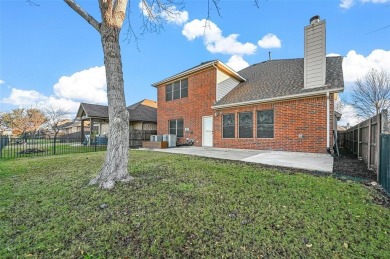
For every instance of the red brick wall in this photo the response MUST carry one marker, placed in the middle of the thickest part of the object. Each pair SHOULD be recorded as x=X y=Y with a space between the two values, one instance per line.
x=201 y=96
x=291 y=118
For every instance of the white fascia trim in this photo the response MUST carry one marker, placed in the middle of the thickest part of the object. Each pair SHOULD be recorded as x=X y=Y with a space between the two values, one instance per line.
x=281 y=98
x=185 y=73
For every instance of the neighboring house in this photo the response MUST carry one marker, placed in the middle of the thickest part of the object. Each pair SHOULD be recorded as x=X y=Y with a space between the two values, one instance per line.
x=73 y=129
x=142 y=115
x=282 y=104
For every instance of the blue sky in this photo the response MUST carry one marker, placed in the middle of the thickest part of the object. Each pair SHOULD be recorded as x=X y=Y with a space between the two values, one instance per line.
x=51 y=56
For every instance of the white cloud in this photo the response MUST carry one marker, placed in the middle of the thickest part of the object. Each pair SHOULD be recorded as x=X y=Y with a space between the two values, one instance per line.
x=32 y=98
x=24 y=98
x=356 y=65
x=270 y=41
x=237 y=63
x=214 y=40
x=2 y=81
x=170 y=14
x=88 y=85
x=346 y=4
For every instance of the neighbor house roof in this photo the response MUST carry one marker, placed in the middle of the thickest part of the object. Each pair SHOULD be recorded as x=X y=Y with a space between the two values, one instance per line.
x=278 y=80
x=204 y=65
x=145 y=110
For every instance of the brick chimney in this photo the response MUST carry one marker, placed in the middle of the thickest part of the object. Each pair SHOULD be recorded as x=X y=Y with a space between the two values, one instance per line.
x=315 y=56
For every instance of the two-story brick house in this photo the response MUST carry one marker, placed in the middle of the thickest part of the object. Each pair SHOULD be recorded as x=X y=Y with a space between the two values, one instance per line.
x=277 y=104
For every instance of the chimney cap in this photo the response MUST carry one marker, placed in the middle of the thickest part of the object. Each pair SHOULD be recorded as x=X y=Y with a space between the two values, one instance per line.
x=314 y=19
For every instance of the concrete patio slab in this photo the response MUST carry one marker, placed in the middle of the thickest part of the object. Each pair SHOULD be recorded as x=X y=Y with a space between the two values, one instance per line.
x=306 y=161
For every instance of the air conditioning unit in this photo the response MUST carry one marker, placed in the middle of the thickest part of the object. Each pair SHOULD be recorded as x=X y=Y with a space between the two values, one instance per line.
x=171 y=139
x=156 y=138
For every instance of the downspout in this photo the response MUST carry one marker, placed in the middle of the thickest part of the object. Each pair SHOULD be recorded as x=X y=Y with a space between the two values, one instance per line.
x=327 y=123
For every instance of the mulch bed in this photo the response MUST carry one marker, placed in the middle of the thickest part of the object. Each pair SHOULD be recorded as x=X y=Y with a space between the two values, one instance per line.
x=348 y=165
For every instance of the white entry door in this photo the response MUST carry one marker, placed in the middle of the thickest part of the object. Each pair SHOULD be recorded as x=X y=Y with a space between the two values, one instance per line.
x=207 y=131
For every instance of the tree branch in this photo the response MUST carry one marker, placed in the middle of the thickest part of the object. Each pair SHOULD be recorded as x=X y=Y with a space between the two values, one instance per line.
x=95 y=24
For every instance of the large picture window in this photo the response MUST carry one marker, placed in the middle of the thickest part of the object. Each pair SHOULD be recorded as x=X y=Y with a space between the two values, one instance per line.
x=245 y=126
x=176 y=90
x=176 y=127
x=265 y=124
x=228 y=126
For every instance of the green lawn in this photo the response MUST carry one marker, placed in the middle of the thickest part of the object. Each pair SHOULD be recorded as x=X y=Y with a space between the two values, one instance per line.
x=183 y=206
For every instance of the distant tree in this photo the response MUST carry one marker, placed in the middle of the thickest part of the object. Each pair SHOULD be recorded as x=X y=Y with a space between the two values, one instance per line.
x=371 y=93
x=56 y=116
x=23 y=121
x=36 y=118
x=3 y=125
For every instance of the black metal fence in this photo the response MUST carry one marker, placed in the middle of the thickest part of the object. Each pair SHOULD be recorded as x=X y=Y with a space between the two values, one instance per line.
x=19 y=147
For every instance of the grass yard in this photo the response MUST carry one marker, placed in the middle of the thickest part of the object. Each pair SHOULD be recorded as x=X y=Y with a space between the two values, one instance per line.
x=183 y=206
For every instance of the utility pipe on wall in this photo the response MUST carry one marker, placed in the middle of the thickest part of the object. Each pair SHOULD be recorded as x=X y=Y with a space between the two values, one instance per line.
x=327 y=123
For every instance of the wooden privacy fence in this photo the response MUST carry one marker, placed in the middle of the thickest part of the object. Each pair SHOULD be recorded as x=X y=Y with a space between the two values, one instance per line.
x=363 y=139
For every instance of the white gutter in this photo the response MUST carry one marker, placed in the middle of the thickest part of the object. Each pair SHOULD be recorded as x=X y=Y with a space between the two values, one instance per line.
x=327 y=123
x=277 y=98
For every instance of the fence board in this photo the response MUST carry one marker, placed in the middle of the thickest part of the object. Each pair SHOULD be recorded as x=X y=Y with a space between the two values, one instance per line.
x=384 y=166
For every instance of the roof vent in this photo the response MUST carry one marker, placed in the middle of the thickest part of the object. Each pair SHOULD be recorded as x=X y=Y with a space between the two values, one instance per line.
x=314 y=19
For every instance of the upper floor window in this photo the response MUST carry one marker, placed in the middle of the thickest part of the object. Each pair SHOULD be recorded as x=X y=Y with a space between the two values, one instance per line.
x=176 y=90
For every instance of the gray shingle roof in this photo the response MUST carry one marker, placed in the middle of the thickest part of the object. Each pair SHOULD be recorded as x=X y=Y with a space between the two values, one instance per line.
x=137 y=111
x=279 y=78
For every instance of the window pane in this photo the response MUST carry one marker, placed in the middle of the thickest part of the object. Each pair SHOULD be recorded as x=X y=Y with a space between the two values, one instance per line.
x=172 y=124
x=172 y=131
x=228 y=126
x=265 y=131
x=184 y=88
x=265 y=124
x=245 y=125
x=176 y=90
x=184 y=92
x=168 y=92
x=180 y=130
x=180 y=123
x=266 y=117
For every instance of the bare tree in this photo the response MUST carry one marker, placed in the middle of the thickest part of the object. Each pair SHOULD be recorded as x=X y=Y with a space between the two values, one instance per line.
x=113 y=13
x=371 y=93
x=56 y=116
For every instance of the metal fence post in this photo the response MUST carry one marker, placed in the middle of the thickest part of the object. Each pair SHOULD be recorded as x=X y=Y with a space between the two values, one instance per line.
x=54 y=146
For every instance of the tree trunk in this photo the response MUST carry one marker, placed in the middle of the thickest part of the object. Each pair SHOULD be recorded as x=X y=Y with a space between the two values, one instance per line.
x=115 y=166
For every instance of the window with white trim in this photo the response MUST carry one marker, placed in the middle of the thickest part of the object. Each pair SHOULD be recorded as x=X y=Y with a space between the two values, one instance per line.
x=176 y=90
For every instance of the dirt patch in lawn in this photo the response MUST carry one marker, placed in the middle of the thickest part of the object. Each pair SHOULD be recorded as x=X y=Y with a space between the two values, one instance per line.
x=348 y=165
